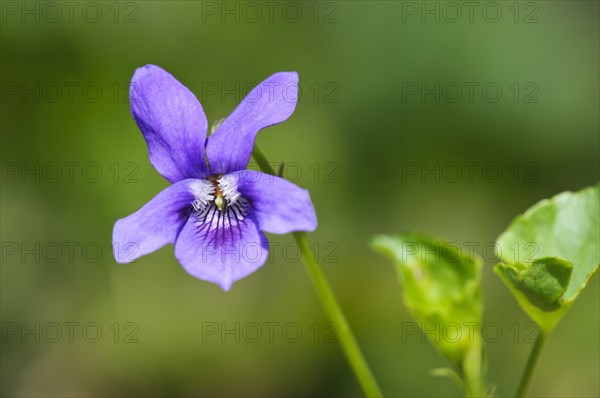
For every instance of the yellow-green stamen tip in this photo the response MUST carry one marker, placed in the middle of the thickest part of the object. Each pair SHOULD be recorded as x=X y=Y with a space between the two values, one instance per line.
x=219 y=201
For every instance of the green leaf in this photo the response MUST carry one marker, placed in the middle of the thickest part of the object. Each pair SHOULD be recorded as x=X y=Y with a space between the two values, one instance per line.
x=539 y=287
x=442 y=291
x=551 y=252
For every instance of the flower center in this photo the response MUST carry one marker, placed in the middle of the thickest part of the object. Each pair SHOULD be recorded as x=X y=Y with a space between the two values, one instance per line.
x=218 y=190
x=219 y=210
x=219 y=200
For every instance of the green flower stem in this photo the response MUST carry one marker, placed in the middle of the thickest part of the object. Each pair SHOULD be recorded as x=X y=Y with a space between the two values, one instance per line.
x=531 y=363
x=335 y=315
x=262 y=161
x=328 y=301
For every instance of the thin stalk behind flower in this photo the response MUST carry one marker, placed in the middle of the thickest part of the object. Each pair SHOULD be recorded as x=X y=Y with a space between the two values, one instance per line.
x=329 y=302
x=531 y=364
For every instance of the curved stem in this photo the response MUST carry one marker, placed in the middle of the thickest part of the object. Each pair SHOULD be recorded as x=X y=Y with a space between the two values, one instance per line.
x=334 y=313
x=330 y=305
x=531 y=363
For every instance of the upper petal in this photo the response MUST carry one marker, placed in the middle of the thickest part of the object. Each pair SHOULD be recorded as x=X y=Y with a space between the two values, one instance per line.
x=271 y=102
x=221 y=246
x=157 y=223
x=279 y=205
x=172 y=122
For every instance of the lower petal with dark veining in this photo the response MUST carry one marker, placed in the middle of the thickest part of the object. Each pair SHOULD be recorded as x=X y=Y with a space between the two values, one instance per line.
x=222 y=245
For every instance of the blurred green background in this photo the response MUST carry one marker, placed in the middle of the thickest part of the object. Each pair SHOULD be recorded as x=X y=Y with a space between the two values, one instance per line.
x=363 y=136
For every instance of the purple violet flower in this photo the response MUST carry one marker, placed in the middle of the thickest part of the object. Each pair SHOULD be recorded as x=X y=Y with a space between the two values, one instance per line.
x=215 y=211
